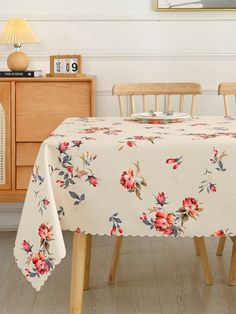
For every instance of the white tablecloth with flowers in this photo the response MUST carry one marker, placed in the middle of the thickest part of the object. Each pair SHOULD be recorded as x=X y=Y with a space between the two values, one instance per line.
x=111 y=176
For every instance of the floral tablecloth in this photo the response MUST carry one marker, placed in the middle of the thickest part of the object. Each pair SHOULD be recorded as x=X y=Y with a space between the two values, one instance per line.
x=111 y=176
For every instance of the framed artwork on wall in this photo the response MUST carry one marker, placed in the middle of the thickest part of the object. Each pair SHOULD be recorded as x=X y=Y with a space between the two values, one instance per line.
x=196 y=4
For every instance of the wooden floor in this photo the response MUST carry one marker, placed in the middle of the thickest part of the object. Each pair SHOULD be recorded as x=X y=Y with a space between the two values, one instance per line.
x=156 y=275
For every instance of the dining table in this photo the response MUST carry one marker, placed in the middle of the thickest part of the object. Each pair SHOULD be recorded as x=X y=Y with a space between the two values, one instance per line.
x=119 y=176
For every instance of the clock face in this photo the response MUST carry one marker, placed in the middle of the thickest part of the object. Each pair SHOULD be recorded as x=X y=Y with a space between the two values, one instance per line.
x=66 y=66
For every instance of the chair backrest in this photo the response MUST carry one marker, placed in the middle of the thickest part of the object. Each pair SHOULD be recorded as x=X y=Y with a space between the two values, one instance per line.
x=156 y=89
x=227 y=89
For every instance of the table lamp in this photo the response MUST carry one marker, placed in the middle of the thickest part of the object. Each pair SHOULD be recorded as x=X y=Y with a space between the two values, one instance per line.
x=16 y=33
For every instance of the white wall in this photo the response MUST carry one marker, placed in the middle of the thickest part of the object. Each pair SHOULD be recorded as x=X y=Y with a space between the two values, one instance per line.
x=126 y=40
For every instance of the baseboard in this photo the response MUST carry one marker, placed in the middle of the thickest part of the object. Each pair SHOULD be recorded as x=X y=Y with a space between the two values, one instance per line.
x=9 y=219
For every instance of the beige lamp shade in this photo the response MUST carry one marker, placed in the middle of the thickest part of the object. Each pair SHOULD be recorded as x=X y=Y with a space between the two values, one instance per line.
x=17 y=32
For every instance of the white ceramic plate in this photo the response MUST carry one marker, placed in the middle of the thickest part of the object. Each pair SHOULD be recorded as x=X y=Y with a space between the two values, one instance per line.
x=159 y=117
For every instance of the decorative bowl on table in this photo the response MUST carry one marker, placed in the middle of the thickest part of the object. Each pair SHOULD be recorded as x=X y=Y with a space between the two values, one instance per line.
x=159 y=117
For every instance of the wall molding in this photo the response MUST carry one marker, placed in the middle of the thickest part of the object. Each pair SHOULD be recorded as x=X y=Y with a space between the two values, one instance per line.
x=153 y=16
x=185 y=55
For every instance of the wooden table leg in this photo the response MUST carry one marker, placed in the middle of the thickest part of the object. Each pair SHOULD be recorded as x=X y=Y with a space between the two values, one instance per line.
x=77 y=272
x=204 y=260
x=195 y=241
x=87 y=261
x=232 y=271
x=220 y=247
x=115 y=260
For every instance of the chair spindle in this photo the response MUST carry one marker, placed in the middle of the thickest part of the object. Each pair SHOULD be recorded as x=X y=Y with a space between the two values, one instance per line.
x=157 y=103
x=181 y=103
x=144 y=103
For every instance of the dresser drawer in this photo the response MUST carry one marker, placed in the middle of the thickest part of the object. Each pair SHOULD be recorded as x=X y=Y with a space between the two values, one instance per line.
x=42 y=106
x=26 y=153
x=23 y=177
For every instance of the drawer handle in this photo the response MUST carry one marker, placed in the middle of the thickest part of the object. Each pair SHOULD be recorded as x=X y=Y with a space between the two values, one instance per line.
x=2 y=145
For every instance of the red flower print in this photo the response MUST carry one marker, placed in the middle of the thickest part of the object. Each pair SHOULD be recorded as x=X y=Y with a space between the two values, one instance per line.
x=61 y=183
x=143 y=217
x=46 y=202
x=69 y=168
x=176 y=166
x=233 y=134
x=131 y=182
x=45 y=232
x=26 y=246
x=191 y=205
x=127 y=180
x=170 y=223
x=27 y=272
x=78 y=230
x=63 y=147
x=203 y=135
x=171 y=160
x=120 y=230
x=215 y=152
x=113 y=231
x=116 y=221
x=176 y=161
x=164 y=221
x=93 y=180
x=219 y=233
x=161 y=198
x=168 y=231
x=130 y=143
x=190 y=208
x=40 y=263
x=77 y=143
x=212 y=187
x=218 y=160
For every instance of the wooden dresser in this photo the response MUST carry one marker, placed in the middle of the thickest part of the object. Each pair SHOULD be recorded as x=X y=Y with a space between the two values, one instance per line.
x=33 y=108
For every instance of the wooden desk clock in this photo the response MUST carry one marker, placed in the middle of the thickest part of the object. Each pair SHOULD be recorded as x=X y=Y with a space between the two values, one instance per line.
x=65 y=66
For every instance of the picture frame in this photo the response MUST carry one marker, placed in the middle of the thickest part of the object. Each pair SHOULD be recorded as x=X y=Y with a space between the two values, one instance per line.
x=65 y=65
x=195 y=5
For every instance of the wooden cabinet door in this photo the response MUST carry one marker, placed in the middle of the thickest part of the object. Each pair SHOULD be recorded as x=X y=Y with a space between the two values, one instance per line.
x=5 y=136
x=42 y=106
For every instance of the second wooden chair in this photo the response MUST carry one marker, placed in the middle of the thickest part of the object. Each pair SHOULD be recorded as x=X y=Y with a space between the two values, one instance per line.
x=127 y=93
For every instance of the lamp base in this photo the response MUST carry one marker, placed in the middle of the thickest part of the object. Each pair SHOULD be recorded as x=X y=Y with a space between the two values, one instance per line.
x=18 y=61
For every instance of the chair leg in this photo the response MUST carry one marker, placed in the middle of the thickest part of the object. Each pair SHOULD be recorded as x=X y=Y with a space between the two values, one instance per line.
x=232 y=272
x=77 y=272
x=204 y=260
x=87 y=261
x=220 y=247
x=195 y=241
x=115 y=260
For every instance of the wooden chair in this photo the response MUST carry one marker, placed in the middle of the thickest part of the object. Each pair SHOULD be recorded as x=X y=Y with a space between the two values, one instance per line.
x=124 y=91
x=129 y=91
x=228 y=89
